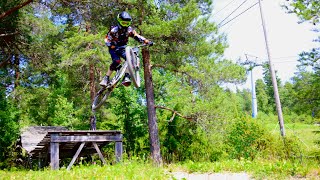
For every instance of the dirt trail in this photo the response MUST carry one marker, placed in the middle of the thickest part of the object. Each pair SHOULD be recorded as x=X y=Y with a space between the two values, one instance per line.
x=208 y=176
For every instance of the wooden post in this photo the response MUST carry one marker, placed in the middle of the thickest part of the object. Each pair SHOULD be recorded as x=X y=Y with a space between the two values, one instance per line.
x=54 y=153
x=118 y=149
x=273 y=76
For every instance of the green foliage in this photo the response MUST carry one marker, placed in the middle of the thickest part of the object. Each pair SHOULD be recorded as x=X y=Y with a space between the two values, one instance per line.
x=9 y=130
x=305 y=10
x=245 y=139
x=262 y=97
x=67 y=57
x=62 y=113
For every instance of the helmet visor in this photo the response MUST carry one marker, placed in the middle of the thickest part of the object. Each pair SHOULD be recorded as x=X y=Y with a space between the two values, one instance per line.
x=125 y=23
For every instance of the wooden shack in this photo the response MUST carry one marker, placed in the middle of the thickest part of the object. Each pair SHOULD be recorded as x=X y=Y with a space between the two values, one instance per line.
x=55 y=143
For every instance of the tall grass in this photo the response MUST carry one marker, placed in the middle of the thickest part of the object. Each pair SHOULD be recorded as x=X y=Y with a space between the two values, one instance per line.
x=132 y=170
x=125 y=170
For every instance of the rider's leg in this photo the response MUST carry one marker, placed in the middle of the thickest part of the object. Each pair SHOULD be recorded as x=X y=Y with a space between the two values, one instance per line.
x=115 y=65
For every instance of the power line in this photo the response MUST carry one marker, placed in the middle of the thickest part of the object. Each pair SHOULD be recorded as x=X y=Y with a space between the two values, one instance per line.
x=237 y=15
x=223 y=8
x=232 y=12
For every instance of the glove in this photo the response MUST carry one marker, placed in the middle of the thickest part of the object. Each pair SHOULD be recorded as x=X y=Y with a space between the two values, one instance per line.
x=148 y=42
x=110 y=45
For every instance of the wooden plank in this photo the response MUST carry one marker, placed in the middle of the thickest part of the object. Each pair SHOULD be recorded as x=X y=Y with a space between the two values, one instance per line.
x=54 y=153
x=118 y=151
x=85 y=138
x=76 y=155
x=101 y=132
x=99 y=152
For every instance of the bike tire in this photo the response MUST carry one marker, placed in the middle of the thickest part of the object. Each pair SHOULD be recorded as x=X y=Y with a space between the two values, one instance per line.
x=132 y=66
x=104 y=93
x=100 y=98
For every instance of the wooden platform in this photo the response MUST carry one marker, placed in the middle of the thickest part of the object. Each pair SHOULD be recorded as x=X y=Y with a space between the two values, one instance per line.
x=64 y=143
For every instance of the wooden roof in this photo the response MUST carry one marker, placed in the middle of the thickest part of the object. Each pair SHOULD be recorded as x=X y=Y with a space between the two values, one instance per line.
x=31 y=136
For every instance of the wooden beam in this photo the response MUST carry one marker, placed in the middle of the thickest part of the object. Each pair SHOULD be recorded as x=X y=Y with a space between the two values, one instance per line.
x=76 y=155
x=99 y=152
x=85 y=138
x=54 y=153
x=118 y=151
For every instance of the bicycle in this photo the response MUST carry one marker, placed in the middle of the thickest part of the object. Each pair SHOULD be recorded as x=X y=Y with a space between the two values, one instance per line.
x=132 y=63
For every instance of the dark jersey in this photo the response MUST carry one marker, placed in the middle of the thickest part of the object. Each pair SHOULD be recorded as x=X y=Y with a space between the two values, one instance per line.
x=119 y=36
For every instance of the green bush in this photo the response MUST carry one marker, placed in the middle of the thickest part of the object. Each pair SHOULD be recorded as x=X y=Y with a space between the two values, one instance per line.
x=244 y=138
x=9 y=130
x=248 y=139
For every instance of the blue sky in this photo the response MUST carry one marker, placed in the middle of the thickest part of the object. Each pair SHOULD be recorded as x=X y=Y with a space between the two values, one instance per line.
x=287 y=38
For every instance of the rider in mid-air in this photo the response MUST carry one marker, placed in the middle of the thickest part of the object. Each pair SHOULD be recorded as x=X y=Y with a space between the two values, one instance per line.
x=116 y=40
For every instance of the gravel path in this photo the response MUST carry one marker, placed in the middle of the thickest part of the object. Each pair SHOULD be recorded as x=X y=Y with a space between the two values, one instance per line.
x=213 y=176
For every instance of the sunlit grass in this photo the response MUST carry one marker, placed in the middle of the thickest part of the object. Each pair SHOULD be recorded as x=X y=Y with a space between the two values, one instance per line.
x=303 y=132
x=257 y=169
x=126 y=170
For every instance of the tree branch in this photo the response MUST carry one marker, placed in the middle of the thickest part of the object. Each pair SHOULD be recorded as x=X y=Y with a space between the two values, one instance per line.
x=191 y=119
x=8 y=34
x=10 y=11
x=5 y=62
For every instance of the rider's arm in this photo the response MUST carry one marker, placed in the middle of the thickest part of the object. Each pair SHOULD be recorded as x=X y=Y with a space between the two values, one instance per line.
x=137 y=37
x=109 y=39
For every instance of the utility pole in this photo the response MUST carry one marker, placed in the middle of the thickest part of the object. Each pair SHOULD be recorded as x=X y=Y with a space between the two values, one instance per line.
x=273 y=76
x=253 y=88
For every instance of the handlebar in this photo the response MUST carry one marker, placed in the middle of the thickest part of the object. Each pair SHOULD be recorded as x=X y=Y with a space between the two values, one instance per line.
x=149 y=44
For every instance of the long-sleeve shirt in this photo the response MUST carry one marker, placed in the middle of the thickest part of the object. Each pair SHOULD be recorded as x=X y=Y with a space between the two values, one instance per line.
x=119 y=36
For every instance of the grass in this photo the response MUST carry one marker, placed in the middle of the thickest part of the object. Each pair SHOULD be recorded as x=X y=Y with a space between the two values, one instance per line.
x=135 y=169
x=258 y=169
x=126 y=170
x=303 y=132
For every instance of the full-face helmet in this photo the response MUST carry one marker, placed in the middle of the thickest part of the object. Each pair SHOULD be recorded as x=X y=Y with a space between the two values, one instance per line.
x=124 y=19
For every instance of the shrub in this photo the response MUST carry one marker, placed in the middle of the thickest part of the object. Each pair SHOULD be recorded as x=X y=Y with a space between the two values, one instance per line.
x=244 y=138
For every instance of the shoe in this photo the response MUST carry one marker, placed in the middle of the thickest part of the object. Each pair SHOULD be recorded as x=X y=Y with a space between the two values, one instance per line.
x=105 y=81
x=126 y=80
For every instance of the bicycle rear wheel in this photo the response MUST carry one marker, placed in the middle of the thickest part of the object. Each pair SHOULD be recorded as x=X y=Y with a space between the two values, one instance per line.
x=133 y=66
x=100 y=98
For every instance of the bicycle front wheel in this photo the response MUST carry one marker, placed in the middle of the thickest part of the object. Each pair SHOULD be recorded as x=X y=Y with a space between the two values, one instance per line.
x=100 y=98
x=133 y=66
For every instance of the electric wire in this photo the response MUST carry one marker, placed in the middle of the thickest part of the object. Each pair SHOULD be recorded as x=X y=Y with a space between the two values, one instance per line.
x=223 y=8
x=232 y=12
x=237 y=15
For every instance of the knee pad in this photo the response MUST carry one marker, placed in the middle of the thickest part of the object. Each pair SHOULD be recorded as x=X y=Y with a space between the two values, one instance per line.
x=115 y=65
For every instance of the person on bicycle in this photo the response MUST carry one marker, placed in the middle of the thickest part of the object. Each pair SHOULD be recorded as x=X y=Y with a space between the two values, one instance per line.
x=116 y=40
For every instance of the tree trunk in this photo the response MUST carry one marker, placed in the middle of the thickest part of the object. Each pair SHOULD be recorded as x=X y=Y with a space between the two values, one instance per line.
x=152 y=119
x=92 y=84
x=17 y=70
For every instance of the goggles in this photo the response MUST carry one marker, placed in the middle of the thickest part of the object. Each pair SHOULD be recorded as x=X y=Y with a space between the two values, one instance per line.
x=125 y=23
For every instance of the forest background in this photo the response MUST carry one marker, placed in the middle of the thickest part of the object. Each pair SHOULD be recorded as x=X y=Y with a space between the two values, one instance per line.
x=52 y=57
